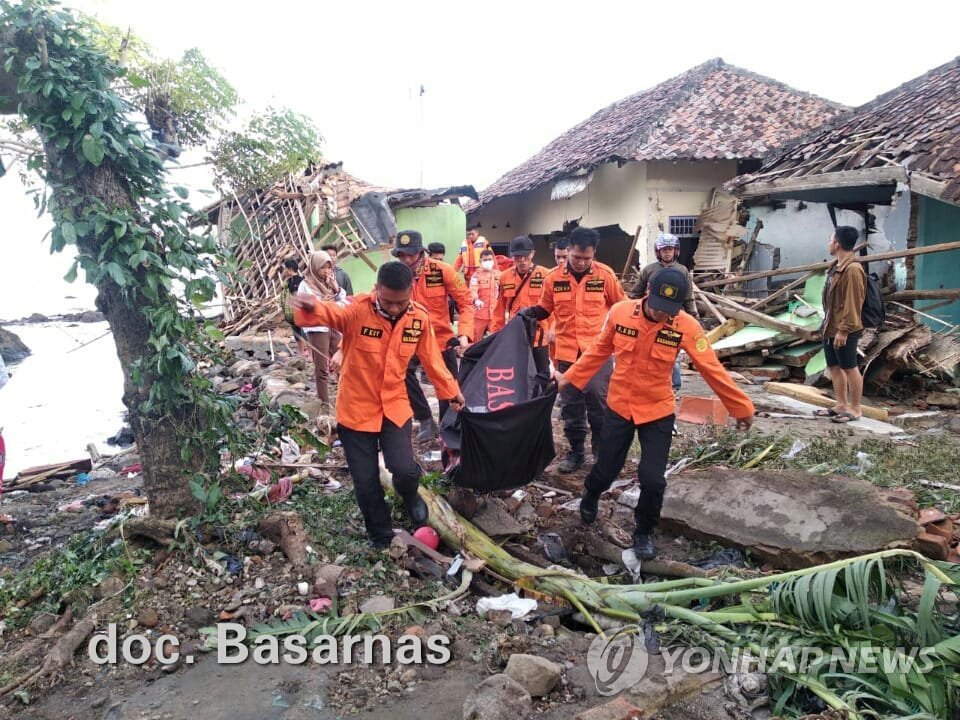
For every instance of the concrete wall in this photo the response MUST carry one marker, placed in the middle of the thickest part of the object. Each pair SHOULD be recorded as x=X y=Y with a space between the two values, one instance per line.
x=442 y=223
x=644 y=194
x=802 y=229
x=939 y=222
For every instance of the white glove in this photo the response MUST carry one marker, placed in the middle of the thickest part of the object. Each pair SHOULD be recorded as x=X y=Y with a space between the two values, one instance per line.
x=478 y=303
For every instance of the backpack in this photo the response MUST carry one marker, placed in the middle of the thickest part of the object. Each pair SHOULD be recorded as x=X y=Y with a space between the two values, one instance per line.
x=873 y=312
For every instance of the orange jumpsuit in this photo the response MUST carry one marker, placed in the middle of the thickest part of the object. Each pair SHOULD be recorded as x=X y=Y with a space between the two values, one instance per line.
x=484 y=286
x=578 y=307
x=516 y=293
x=375 y=359
x=468 y=261
x=644 y=352
x=641 y=399
x=433 y=283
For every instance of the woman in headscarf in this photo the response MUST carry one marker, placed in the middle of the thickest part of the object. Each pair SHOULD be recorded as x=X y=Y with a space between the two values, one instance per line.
x=319 y=281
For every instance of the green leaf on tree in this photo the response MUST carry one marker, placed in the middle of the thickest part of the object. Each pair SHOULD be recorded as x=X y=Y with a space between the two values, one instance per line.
x=92 y=149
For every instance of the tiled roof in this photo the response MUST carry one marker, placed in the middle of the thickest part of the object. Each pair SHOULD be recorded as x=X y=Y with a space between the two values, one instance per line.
x=916 y=127
x=714 y=110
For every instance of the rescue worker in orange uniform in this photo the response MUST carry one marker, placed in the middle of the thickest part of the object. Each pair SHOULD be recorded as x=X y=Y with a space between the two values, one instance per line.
x=382 y=332
x=484 y=288
x=521 y=287
x=578 y=296
x=645 y=336
x=561 y=248
x=468 y=261
x=433 y=282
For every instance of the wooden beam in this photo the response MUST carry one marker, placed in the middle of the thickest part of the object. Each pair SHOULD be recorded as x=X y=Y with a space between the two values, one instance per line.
x=633 y=249
x=722 y=331
x=740 y=312
x=892 y=255
x=841 y=179
x=906 y=295
x=815 y=397
x=929 y=187
x=782 y=291
x=706 y=301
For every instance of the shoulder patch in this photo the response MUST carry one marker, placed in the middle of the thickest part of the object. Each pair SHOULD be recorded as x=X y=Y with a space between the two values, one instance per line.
x=702 y=344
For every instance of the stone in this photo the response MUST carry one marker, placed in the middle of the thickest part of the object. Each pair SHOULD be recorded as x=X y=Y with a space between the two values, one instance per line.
x=231 y=386
x=199 y=616
x=495 y=521
x=109 y=586
x=789 y=518
x=537 y=675
x=148 y=618
x=102 y=474
x=243 y=368
x=944 y=400
x=580 y=679
x=409 y=676
x=499 y=697
x=12 y=348
x=378 y=604
x=617 y=709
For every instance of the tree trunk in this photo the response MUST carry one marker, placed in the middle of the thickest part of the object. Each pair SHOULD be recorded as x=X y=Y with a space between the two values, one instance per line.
x=159 y=439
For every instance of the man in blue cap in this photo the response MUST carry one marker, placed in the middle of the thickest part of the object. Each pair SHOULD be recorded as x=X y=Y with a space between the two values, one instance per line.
x=644 y=336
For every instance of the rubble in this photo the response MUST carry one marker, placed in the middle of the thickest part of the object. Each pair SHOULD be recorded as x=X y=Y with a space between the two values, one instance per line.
x=499 y=697
x=537 y=675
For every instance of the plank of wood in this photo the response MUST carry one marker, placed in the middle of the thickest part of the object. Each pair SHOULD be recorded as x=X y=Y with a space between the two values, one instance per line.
x=907 y=295
x=893 y=255
x=757 y=318
x=797 y=356
x=816 y=397
x=723 y=330
x=763 y=302
x=770 y=342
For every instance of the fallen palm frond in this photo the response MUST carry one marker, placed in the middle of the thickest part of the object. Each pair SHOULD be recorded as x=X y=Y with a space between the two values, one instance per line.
x=849 y=604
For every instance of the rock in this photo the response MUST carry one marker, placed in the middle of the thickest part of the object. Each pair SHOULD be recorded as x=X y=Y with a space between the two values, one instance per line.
x=944 y=400
x=110 y=585
x=36 y=318
x=499 y=697
x=630 y=497
x=266 y=547
x=537 y=675
x=581 y=681
x=790 y=518
x=231 y=386
x=91 y=316
x=198 y=616
x=616 y=709
x=416 y=631
x=12 y=348
x=408 y=676
x=394 y=686
x=102 y=474
x=41 y=623
x=378 y=604
x=243 y=368
x=325 y=579
x=495 y=521
x=148 y=618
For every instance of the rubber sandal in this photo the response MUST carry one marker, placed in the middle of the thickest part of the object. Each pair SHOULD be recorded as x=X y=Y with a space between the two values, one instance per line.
x=844 y=418
x=825 y=413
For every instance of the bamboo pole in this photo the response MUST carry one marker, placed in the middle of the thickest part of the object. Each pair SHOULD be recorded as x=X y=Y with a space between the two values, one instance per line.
x=893 y=255
x=740 y=312
x=815 y=397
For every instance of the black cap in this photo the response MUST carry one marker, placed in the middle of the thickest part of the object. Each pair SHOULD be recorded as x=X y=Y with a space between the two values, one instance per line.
x=667 y=290
x=409 y=242
x=521 y=246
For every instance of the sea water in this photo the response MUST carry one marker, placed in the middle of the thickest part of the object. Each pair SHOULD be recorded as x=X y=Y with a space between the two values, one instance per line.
x=66 y=394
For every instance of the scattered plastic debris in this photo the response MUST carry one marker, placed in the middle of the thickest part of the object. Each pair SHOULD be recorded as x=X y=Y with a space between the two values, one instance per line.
x=552 y=546
x=518 y=607
x=798 y=447
x=723 y=558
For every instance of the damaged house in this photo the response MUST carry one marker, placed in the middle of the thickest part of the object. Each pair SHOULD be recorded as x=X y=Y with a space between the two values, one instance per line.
x=890 y=168
x=323 y=205
x=651 y=161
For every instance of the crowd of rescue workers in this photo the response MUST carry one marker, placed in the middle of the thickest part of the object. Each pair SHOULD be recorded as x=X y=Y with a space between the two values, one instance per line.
x=615 y=359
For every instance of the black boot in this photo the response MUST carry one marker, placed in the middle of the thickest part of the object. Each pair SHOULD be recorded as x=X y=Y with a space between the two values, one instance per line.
x=572 y=462
x=417 y=510
x=588 y=506
x=643 y=546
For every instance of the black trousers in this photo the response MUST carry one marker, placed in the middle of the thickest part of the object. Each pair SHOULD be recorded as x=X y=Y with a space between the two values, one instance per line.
x=578 y=408
x=361 y=449
x=418 y=401
x=655 y=439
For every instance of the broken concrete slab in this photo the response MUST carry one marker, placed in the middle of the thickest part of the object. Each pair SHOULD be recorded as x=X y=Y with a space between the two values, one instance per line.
x=790 y=519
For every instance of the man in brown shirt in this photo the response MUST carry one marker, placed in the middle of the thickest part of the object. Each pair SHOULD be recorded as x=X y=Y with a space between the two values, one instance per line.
x=843 y=297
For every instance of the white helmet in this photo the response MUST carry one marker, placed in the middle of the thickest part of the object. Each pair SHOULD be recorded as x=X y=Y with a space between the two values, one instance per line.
x=666 y=240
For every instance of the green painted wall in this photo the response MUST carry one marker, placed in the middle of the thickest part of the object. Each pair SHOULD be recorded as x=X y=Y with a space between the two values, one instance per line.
x=939 y=222
x=444 y=223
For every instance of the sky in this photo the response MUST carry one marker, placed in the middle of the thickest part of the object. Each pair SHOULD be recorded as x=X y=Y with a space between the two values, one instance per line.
x=500 y=79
